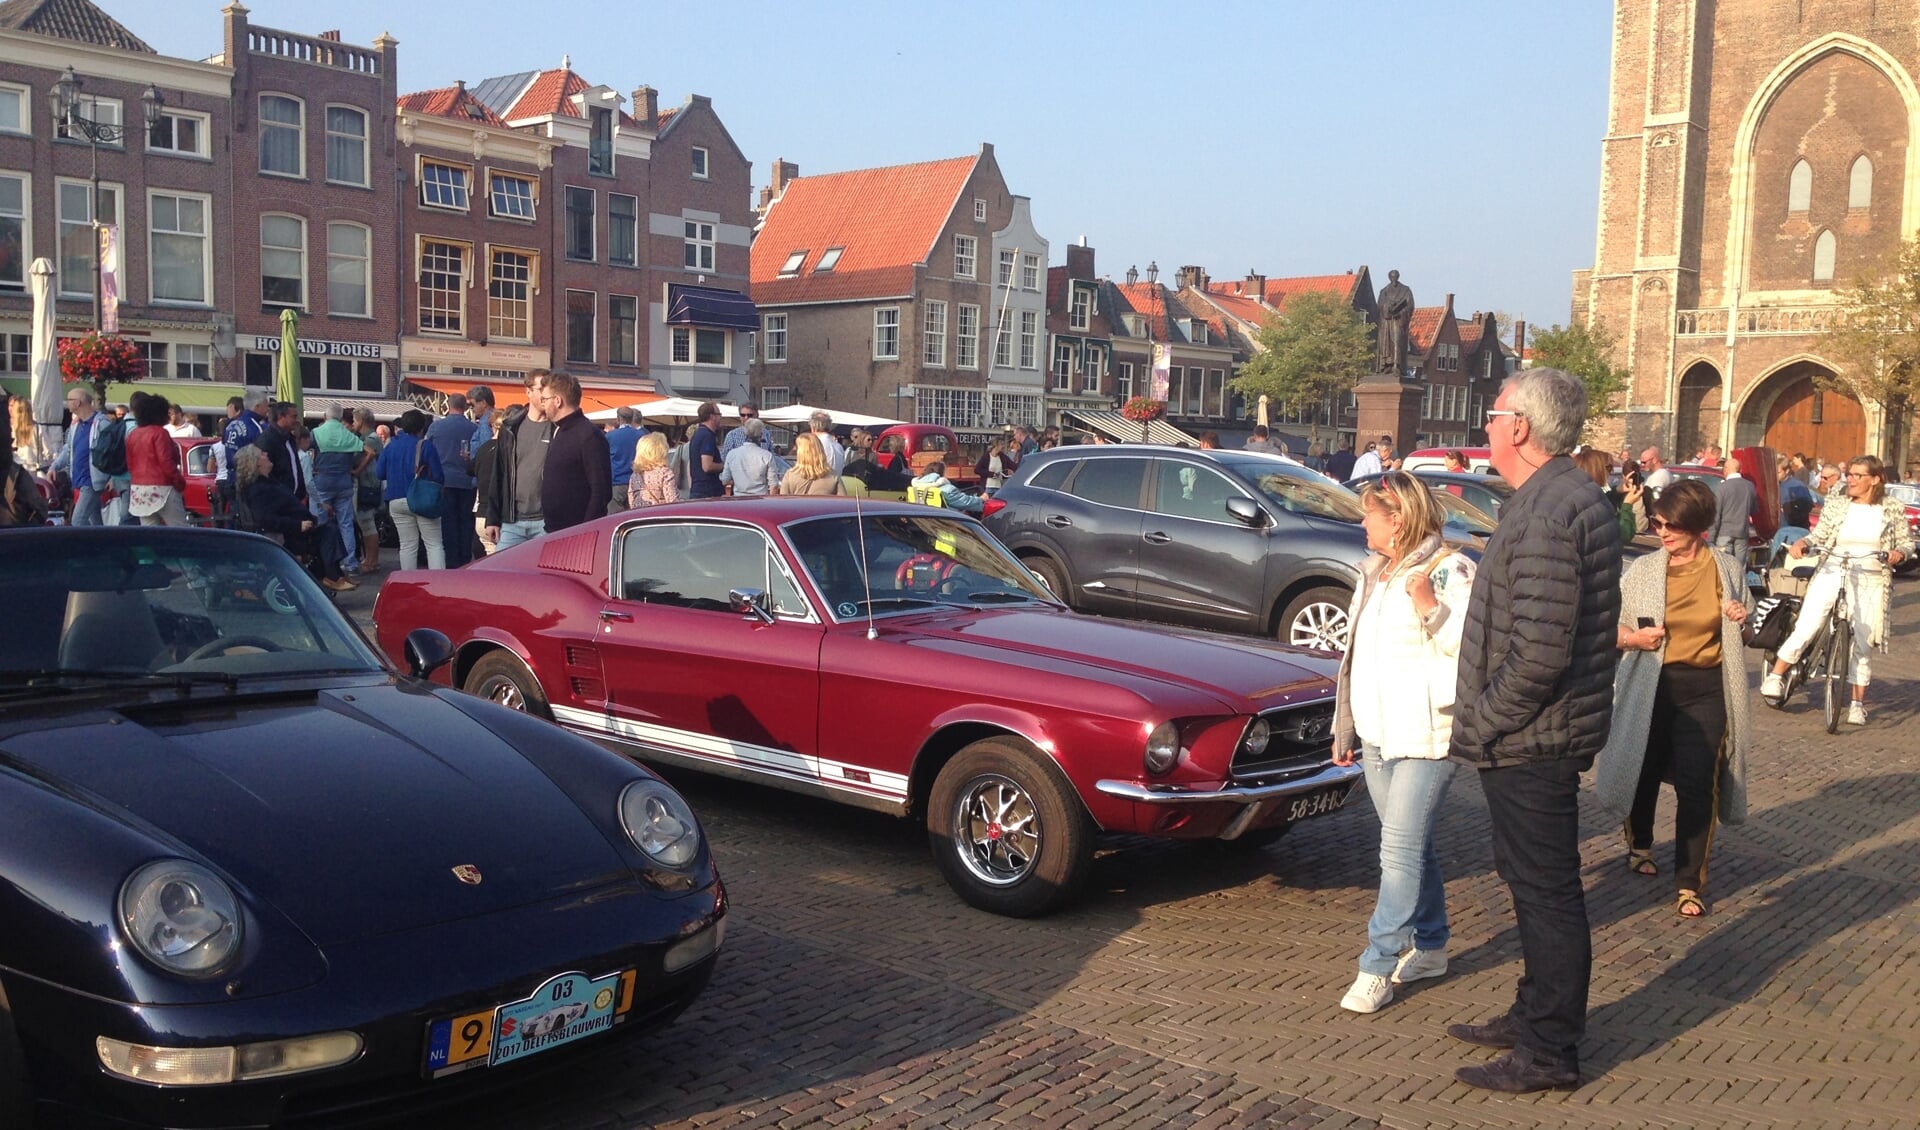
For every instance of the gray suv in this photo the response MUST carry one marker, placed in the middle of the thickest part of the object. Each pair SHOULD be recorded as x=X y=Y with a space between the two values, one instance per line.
x=1230 y=541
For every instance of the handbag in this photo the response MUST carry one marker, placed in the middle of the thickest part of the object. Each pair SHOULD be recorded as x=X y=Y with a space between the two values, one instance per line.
x=1770 y=622
x=424 y=496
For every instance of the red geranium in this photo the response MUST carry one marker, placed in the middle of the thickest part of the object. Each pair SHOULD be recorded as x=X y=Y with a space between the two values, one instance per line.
x=1143 y=408
x=100 y=359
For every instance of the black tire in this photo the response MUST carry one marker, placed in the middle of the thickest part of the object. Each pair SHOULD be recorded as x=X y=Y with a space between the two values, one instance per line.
x=1317 y=619
x=1839 y=647
x=1051 y=575
x=1008 y=831
x=501 y=678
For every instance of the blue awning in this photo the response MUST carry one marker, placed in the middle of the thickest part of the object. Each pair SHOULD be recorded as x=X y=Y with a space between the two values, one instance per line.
x=706 y=306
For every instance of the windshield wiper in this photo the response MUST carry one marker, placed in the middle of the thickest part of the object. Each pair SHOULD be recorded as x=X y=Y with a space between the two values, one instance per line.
x=63 y=678
x=882 y=602
x=1002 y=598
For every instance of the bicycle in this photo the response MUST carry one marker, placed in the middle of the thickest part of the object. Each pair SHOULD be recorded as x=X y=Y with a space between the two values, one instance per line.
x=1825 y=657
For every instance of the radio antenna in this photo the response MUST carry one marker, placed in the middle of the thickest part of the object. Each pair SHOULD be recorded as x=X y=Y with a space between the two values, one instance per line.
x=866 y=578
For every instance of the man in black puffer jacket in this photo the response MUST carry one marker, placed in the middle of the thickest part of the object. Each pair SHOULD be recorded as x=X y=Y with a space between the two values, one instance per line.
x=1534 y=704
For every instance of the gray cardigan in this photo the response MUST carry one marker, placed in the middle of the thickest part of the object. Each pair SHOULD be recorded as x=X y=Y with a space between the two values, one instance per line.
x=1643 y=592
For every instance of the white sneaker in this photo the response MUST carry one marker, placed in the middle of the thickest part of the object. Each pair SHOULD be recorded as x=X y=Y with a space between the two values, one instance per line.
x=1370 y=993
x=1418 y=965
x=1857 y=714
x=1773 y=686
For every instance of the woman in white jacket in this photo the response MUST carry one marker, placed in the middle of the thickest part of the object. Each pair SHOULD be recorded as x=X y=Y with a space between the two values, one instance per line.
x=1395 y=716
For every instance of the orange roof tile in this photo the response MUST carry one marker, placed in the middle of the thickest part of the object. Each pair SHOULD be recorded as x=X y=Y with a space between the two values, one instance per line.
x=449 y=102
x=551 y=93
x=1197 y=309
x=1148 y=300
x=1241 y=307
x=886 y=220
x=1425 y=326
x=1470 y=334
x=1277 y=290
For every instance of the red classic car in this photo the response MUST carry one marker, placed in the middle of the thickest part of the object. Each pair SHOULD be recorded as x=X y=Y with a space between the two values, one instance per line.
x=196 y=460
x=894 y=657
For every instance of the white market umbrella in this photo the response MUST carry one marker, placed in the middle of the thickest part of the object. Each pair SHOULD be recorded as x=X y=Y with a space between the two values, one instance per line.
x=800 y=413
x=1263 y=410
x=681 y=410
x=48 y=397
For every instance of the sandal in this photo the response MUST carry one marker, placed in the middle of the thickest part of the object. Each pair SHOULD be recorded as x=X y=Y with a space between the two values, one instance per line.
x=1641 y=862
x=1691 y=905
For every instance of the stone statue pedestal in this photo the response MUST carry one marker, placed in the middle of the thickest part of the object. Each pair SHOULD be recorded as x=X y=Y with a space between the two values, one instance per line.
x=1387 y=406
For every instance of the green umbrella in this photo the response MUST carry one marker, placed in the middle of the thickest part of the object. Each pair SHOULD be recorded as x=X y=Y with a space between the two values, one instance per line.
x=286 y=385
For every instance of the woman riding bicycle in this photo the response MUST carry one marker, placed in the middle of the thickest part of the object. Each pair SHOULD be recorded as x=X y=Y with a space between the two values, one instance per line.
x=1856 y=529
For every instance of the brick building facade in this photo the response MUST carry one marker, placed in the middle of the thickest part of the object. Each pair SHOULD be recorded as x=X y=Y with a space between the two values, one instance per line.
x=1758 y=153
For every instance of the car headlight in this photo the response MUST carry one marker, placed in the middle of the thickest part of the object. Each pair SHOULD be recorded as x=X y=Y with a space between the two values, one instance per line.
x=181 y=917
x=1255 y=742
x=660 y=823
x=1163 y=747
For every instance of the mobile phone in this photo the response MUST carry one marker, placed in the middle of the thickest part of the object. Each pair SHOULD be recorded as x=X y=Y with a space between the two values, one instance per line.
x=1648 y=622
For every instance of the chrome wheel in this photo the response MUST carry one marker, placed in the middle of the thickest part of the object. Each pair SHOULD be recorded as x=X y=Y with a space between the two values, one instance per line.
x=1320 y=625
x=503 y=690
x=996 y=830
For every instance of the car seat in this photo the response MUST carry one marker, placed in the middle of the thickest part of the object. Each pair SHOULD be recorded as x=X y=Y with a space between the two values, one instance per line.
x=109 y=631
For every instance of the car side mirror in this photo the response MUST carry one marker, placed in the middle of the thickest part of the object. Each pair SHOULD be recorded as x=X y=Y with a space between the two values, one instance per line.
x=1247 y=511
x=750 y=602
x=427 y=651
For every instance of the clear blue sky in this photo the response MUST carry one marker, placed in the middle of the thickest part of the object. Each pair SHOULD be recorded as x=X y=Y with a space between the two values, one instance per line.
x=1458 y=142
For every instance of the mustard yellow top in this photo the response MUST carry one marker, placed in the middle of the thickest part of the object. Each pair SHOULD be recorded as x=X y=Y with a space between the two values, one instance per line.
x=1693 y=612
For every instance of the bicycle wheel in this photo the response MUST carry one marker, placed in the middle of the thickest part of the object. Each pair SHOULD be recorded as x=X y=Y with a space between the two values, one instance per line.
x=1839 y=645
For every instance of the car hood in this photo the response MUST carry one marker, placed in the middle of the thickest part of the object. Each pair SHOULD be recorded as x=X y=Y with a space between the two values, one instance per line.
x=346 y=809
x=1244 y=675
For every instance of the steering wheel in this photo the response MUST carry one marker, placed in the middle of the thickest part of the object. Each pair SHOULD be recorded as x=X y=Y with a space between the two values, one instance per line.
x=924 y=570
x=227 y=643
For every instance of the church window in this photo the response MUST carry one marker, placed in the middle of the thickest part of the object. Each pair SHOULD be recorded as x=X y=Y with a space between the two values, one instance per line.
x=1800 y=187
x=1860 y=183
x=1823 y=257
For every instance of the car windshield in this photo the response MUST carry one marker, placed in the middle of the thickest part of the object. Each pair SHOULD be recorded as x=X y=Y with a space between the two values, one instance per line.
x=130 y=606
x=1463 y=515
x=911 y=561
x=1907 y=493
x=1298 y=490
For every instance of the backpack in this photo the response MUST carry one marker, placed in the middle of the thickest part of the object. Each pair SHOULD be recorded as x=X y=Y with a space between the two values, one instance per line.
x=108 y=449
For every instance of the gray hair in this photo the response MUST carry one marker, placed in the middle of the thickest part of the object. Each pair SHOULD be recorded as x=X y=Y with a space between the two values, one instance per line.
x=336 y=411
x=1554 y=403
x=364 y=416
x=821 y=422
x=754 y=429
x=83 y=392
x=255 y=399
x=1834 y=467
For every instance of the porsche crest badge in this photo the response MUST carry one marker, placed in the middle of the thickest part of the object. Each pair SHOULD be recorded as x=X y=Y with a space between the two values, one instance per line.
x=467 y=873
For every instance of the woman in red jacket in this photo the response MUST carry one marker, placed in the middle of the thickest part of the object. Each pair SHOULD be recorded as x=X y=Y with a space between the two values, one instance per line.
x=158 y=494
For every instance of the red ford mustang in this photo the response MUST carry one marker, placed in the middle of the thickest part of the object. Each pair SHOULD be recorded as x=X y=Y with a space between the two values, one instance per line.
x=894 y=657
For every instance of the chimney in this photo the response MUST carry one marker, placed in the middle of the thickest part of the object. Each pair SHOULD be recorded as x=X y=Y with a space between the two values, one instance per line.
x=330 y=36
x=1255 y=286
x=1519 y=337
x=646 y=106
x=784 y=172
x=1190 y=276
x=1079 y=261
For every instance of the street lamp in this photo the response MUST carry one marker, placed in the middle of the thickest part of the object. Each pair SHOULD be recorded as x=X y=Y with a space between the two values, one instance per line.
x=1153 y=367
x=65 y=100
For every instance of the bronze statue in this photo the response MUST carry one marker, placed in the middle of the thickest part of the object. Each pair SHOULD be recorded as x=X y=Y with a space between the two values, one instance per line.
x=1396 y=315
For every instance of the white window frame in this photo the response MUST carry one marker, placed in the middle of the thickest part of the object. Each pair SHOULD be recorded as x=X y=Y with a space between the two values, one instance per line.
x=1030 y=273
x=631 y=223
x=1092 y=367
x=886 y=324
x=502 y=312
x=702 y=163
x=197 y=366
x=203 y=121
x=685 y=347
x=300 y=303
x=494 y=196
x=613 y=334
x=458 y=309
x=1030 y=340
x=966 y=341
x=829 y=259
x=1063 y=359
x=795 y=260
x=933 y=334
x=979 y=210
x=1003 y=343
x=1003 y=269
x=966 y=256
x=88 y=106
x=366 y=146
x=335 y=258
x=773 y=335
x=462 y=184
x=206 y=245
x=25 y=216
x=25 y=94
x=776 y=396
x=1123 y=379
x=299 y=128
x=60 y=224
x=1080 y=309
x=699 y=245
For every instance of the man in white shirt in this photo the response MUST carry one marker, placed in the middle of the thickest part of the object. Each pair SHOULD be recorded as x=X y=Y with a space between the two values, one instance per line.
x=1656 y=477
x=1375 y=460
x=178 y=425
x=835 y=454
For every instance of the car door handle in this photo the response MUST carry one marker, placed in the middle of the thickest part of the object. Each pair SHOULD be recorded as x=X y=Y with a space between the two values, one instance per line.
x=608 y=614
x=1059 y=521
x=1157 y=537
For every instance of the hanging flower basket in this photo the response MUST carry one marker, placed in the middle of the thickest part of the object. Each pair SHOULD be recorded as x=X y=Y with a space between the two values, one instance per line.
x=1141 y=409
x=100 y=359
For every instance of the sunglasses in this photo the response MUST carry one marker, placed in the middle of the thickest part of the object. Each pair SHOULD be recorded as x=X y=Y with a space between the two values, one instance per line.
x=1658 y=525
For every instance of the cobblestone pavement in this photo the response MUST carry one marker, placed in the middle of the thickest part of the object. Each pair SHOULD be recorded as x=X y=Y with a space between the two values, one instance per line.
x=1198 y=987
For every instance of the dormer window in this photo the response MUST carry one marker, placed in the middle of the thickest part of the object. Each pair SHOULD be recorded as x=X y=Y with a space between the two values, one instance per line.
x=1136 y=325
x=791 y=268
x=829 y=259
x=600 y=141
x=1197 y=332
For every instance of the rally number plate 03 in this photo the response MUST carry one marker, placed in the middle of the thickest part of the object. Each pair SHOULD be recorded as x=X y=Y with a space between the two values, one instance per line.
x=566 y=1007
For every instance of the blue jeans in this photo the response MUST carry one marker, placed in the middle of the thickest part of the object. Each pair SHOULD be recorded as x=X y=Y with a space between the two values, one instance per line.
x=1412 y=907
x=338 y=492
x=513 y=533
x=86 y=507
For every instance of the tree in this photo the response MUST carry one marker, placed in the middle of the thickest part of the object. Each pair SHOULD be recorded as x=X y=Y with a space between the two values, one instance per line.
x=1877 y=338
x=1314 y=350
x=1586 y=352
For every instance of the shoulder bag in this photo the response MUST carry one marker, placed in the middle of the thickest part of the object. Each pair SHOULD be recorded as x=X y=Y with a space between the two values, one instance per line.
x=424 y=496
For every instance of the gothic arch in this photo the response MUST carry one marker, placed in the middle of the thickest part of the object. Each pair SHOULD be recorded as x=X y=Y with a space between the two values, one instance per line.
x=1787 y=410
x=1699 y=395
x=1740 y=219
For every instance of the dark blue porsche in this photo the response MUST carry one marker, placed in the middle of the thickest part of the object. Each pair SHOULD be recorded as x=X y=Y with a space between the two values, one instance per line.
x=250 y=873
